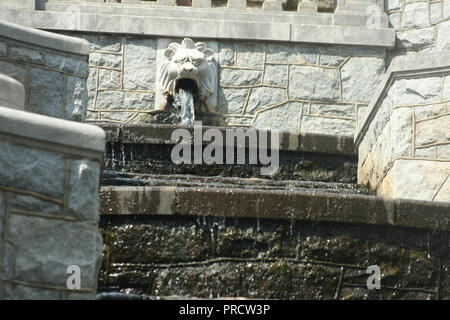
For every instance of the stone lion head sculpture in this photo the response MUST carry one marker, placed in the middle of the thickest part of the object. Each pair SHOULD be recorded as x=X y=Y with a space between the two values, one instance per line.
x=193 y=61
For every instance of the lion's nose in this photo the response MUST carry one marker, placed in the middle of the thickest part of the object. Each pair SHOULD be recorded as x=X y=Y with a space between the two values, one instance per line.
x=188 y=67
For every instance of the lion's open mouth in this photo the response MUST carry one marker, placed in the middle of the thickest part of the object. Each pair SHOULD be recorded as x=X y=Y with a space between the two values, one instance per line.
x=187 y=84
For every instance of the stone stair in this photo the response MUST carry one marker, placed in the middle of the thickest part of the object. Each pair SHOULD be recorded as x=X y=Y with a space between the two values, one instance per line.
x=309 y=232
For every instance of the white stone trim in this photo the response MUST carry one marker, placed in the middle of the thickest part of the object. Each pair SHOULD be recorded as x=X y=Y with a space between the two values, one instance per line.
x=25 y=33
x=32 y=126
x=403 y=66
x=204 y=23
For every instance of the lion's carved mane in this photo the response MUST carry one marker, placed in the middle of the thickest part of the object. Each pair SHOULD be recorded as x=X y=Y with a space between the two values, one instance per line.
x=190 y=60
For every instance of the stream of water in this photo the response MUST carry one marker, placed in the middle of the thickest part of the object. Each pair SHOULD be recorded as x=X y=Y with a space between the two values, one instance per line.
x=184 y=102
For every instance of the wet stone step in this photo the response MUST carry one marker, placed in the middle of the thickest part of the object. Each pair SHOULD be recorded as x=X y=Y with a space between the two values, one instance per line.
x=114 y=178
x=305 y=157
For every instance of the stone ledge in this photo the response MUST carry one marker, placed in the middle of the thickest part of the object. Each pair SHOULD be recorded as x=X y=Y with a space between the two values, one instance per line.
x=206 y=28
x=12 y=93
x=38 y=37
x=402 y=66
x=334 y=208
x=161 y=134
x=31 y=127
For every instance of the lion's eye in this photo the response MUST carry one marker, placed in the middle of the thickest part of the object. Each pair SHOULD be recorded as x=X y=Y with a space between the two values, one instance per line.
x=197 y=62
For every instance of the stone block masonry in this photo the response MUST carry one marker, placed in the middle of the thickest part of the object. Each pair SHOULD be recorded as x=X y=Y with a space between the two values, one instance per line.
x=295 y=87
x=311 y=247
x=421 y=26
x=52 y=68
x=404 y=144
x=49 y=206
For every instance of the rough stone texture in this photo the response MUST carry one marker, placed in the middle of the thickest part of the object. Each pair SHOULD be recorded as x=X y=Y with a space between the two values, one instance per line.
x=226 y=53
x=110 y=100
x=401 y=140
x=415 y=39
x=25 y=55
x=415 y=15
x=46 y=69
x=435 y=12
x=332 y=110
x=76 y=99
x=418 y=179
x=340 y=127
x=264 y=97
x=443 y=42
x=105 y=60
x=249 y=54
x=415 y=91
x=252 y=76
x=275 y=75
x=46 y=90
x=360 y=76
x=446 y=9
x=446 y=88
x=313 y=83
x=108 y=79
x=139 y=64
x=288 y=53
x=433 y=131
x=65 y=64
x=284 y=117
x=138 y=101
x=20 y=165
x=235 y=77
x=45 y=249
x=50 y=222
x=427 y=111
x=232 y=101
x=83 y=183
x=24 y=203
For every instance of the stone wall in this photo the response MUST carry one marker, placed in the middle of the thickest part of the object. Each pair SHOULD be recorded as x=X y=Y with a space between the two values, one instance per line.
x=404 y=145
x=208 y=255
x=294 y=87
x=52 y=68
x=49 y=183
x=421 y=26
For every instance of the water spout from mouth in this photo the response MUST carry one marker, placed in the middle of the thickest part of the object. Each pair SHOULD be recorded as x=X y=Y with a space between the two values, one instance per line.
x=185 y=100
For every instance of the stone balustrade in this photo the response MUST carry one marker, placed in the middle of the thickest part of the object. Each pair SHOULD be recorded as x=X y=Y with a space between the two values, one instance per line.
x=36 y=58
x=404 y=140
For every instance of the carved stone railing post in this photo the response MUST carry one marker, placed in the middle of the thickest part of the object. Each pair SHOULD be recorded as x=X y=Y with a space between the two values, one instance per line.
x=307 y=6
x=167 y=2
x=237 y=4
x=201 y=3
x=368 y=13
x=272 y=5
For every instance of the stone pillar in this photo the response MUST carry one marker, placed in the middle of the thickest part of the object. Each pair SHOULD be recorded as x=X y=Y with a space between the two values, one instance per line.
x=364 y=13
x=167 y=2
x=131 y=1
x=201 y=3
x=307 y=6
x=19 y=4
x=272 y=5
x=237 y=4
